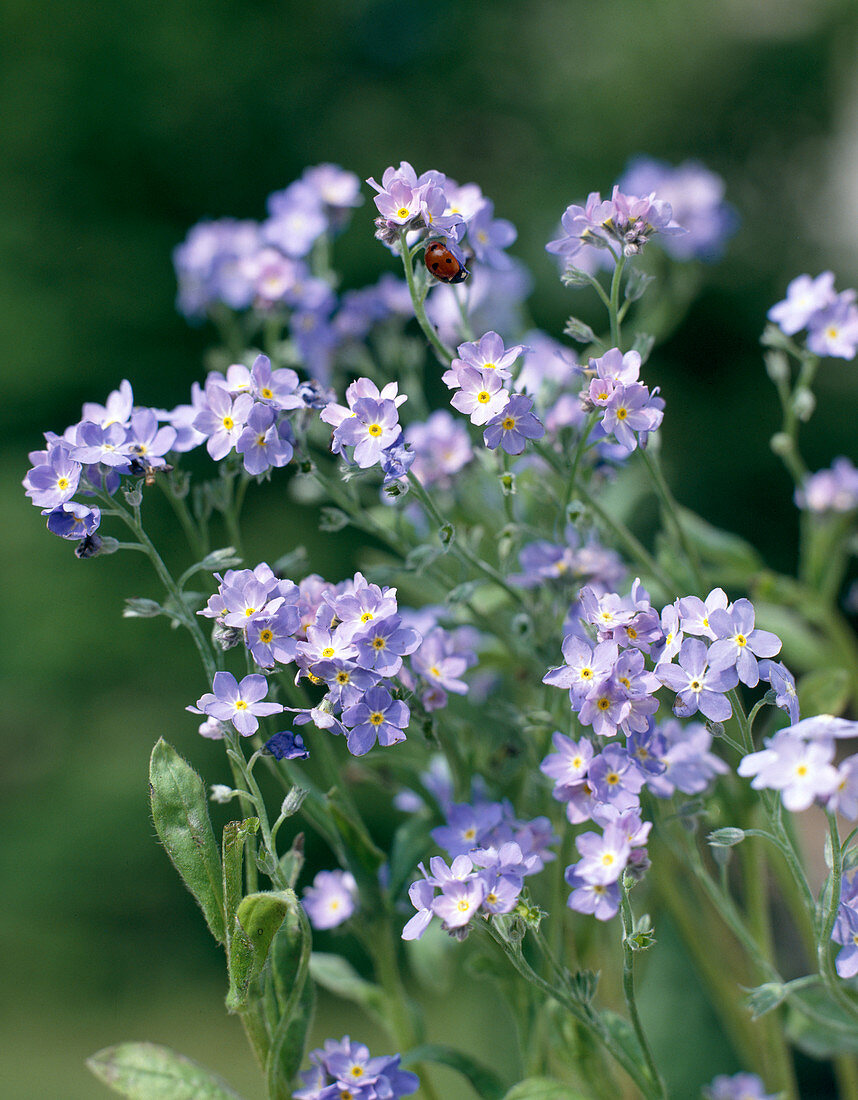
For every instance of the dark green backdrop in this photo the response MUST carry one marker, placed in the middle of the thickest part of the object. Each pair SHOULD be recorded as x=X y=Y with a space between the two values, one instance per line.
x=123 y=123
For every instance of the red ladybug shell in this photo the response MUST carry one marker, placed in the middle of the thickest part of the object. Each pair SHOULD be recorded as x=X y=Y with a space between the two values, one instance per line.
x=443 y=264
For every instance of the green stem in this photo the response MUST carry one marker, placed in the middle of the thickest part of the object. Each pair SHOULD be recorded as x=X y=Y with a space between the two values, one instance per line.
x=634 y=547
x=444 y=354
x=629 y=988
x=670 y=509
x=614 y=304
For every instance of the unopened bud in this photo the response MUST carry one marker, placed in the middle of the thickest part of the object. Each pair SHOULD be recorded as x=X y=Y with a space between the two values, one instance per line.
x=780 y=443
x=727 y=837
x=777 y=366
x=804 y=404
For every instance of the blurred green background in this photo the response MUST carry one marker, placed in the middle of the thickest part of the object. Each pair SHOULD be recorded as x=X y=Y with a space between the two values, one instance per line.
x=122 y=124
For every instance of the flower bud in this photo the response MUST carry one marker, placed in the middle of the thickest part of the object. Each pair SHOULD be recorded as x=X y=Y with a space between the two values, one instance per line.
x=777 y=366
x=727 y=837
x=804 y=404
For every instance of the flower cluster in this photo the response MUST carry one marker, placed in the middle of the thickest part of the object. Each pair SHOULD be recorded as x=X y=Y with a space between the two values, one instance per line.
x=349 y=638
x=461 y=215
x=611 y=689
x=346 y=1071
x=834 y=490
x=491 y=855
x=478 y=376
x=629 y=410
x=799 y=762
x=696 y=198
x=628 y=221
x=831 y=319
x=109 y=441
x=240 y=264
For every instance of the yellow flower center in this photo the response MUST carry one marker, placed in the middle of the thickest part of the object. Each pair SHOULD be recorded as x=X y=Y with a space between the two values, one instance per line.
x=378 y=642
x=266 y=636
x=489 y=366
x=248 y=611
x=741 y=639
x=604 y=703
x=801 y=770
x=622 y=413
x=695 y=685
x=612 y=778
x=464 y=905
x=376 y=718
x=586 y=674
x=240 y=704
x=62 y=483
x=607 y=859
x=228 y=423
x=508 y=423
x=403 y=212
x=367 y=615
x=266 y=393
x=343 y=677
x=484 y=397
x=374 y=429
x=328 y=651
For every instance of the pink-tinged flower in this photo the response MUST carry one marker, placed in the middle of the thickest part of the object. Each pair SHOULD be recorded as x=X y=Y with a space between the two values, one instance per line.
x=834 y=490
x=222 y=420
x=239 y=703
x=614 y=366
x=603 y=858
x=802 y=771
x=805 y=297
x=632 y=409
x=489 y=353
x=331 y=899
x=479 y=394
x=459 y=901
x=373 y=426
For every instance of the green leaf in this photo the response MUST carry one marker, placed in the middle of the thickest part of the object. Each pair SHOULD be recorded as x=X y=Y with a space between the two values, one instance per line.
x=410 y=844
x=257 y=921
x=803 y=646
x=364 y=858
x=145 y=1071
x=486 y=1083
x=824 y=691
x=624 y=1036
x=735 y=559
x=294 y=997
x=338 y=976
x=289 y=1044
x=181 y=816
x=235 y=834
x=542 y=1088
x=838 y=1035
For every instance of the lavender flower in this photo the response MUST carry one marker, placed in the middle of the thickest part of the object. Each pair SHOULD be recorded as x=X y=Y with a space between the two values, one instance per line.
x=239 y=703
x=331 y=899
x=514 y=426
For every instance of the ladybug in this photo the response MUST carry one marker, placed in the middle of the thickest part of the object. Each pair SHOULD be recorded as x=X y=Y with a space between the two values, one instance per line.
x=445 y=261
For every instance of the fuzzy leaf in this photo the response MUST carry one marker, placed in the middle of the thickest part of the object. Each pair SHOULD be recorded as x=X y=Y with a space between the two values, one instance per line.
x=145 y=1071
x=181 y=817
x=257 y=921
